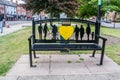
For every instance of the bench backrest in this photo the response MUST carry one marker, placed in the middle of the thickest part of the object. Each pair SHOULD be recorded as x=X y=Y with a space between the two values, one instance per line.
x=93 y=26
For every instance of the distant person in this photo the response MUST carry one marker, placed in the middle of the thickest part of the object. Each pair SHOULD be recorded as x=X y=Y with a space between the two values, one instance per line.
x=45 y=30
x=88 y=31
x=76 y=32
x=40 y=31
x=4 y=22
x=54 y=31
x=1 y=22
x=81 y=32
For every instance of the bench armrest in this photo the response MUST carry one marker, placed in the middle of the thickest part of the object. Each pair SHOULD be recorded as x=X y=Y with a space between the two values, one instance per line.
x=104 y=41
x=30 y=37
x=102 y=38
x=30 y=41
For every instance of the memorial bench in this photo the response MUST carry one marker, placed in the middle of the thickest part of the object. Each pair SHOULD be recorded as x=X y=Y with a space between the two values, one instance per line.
x=65 y=45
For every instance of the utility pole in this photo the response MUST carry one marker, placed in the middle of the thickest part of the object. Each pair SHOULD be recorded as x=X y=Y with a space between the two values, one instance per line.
x=99 y=15
x=98 y=21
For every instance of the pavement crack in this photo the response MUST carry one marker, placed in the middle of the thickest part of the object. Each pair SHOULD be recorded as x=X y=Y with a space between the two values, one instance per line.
x=87 y=67
x=50 y=64
x=19 y=78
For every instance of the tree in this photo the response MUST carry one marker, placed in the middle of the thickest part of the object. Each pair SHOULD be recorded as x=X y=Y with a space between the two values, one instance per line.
x=53 y=6
x=86 y=9
x=89 y=8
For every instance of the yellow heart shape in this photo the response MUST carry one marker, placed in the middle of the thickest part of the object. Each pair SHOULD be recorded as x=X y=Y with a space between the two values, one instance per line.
x=66 y=31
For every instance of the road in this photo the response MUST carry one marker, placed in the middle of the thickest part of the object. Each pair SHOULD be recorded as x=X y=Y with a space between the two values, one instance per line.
x=111 y=25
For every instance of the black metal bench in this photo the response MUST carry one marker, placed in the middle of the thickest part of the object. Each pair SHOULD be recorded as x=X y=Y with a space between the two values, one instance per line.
x=63 y=45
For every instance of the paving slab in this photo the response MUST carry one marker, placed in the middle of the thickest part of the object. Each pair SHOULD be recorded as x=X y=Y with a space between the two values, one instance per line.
x=63 y=65
x=34 y=78
x=42 y=59
x=64 y=58
x=9 y=78
x=68 y=69
x=41 y=78
x=87 y=77
x=25 y=70
x=109 y=76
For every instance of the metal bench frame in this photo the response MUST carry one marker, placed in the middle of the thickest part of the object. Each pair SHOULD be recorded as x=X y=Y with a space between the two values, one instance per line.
x=35 y=44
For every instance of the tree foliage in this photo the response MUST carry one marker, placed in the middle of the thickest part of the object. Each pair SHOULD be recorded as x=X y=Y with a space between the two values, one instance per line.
x=89 y=8
x=83 y=8
x=53 y=6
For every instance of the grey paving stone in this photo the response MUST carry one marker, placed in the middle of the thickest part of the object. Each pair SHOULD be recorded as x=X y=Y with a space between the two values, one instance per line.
x=68 y=69
x=42 y=78
x=41 y=59
x=89 y=77
x=60 y=65
x=64 y=58
x=26 y=70
x=9 y=78
x=114 y=76
x=93 y=67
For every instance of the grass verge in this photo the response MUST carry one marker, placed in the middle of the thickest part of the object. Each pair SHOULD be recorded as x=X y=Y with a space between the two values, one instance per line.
x=12 y=46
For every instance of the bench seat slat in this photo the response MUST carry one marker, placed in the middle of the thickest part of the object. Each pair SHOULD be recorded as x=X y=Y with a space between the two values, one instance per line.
x=58 y=47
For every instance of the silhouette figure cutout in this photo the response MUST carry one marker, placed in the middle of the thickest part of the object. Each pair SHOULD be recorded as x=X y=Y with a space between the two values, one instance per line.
x=54 y=31
x=76 y=32
x=40 y=31
x=92 y=35
x=45 y=30
x=88 y=31
x=81 y=32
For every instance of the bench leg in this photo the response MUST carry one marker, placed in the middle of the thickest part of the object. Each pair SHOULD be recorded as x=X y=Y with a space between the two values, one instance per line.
x=102 y=56
x=30 y=55
x=34 y=53
x=93 y=55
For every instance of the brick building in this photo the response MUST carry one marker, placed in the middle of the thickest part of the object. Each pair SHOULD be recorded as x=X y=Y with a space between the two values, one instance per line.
x=21 y=12
x=14 y=10
x=2 y=7
x=10 y=9
x=28 y=14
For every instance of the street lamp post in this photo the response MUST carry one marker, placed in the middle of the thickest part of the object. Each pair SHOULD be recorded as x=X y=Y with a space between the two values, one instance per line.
x=98 y=21
x=99 y=14
x=99 y=11
x=99 y=2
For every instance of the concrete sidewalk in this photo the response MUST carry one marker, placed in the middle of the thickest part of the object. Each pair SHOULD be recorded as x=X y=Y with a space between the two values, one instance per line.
x=112 y=76
x=17 y=22
x=14 y=28
x=64 y=67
